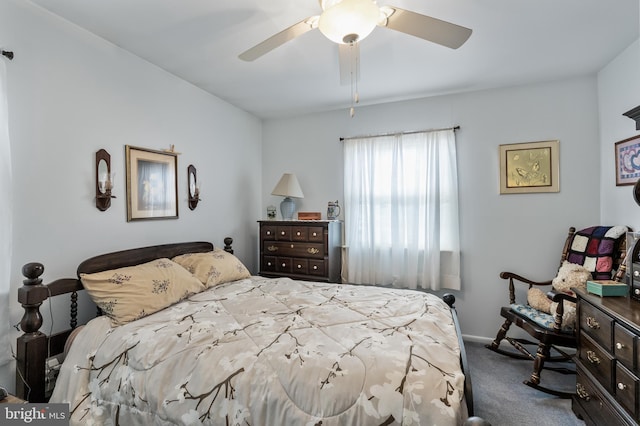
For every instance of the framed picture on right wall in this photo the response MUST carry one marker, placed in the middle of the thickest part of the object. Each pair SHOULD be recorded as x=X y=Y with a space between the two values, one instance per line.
x=627 y=161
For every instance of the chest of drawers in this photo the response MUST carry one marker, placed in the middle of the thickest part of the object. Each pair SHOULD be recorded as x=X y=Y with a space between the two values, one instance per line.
x=608 y=360
x=305 y=250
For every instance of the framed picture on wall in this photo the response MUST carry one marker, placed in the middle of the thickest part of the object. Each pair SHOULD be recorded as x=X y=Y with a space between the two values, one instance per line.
x=530 y=167
x=152 y=187
x=627 y=161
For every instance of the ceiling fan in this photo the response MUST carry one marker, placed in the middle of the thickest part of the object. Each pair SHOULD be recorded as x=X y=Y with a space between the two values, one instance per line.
x=347 y=22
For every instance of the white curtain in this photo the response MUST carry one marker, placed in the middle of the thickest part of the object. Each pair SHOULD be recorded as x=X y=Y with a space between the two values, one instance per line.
x=5 y=218
x=401 y=211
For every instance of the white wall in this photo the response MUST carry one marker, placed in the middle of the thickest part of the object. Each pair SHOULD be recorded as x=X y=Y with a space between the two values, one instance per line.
x=518 y=232
x=618 y=92
x=70 y=94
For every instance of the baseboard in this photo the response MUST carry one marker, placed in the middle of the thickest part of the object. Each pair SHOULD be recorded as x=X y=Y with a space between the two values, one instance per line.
x=477 y=339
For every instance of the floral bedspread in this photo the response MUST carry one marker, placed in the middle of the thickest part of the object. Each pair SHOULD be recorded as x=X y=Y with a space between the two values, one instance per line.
x=272 y=352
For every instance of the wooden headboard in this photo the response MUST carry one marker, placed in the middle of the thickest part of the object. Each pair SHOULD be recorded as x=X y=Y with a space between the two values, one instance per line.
x=34 y=347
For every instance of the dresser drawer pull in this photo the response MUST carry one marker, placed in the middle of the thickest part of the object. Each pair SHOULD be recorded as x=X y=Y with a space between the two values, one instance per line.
x=313 y=250
x=619 y=346
x=622 y=386
x=284 y=265
x=636 y=273
x=272 y=248
x=582 y=392
x=298 y=233
x=283 y=233
x=268 y=263
x=592 y=323
x=268 y=232
x=315 y=234
x=315 y=267
x=593 y=358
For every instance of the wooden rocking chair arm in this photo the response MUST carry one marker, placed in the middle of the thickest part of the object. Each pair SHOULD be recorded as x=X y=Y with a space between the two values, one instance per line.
x=558 y=296
x=514 y=276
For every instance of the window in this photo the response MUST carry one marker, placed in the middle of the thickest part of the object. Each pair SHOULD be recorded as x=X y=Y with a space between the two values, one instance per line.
x=401 y=210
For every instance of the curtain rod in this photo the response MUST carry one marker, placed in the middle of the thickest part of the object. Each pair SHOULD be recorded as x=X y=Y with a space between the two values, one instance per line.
x=454 y=128
x=8 y=54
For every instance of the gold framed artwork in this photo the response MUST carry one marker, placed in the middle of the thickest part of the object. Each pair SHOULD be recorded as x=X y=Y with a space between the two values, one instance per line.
x=530 y=167
x=627 y=161
x=152 y=187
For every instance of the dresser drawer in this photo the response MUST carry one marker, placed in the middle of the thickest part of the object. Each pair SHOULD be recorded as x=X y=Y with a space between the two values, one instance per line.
x=596 y=360
x=596 y=324
x=317 y=267
x=626 y=389
x=283 y=233
x=316 y=234
x=593 y=402
x=268 y=232
x=284 y=264
x=300 y=266
x=268 y=264
x=299 y=233
x=294 y=249
x=623 y=344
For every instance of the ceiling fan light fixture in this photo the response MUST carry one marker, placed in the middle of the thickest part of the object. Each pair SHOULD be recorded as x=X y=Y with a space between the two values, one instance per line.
x=349 y=20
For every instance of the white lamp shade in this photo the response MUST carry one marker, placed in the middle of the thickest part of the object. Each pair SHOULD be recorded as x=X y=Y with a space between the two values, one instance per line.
x=349 y=20
x=288 y=186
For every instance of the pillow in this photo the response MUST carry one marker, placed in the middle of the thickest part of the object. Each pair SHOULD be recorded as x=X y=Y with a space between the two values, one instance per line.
x=213 y=267
x=133 y=292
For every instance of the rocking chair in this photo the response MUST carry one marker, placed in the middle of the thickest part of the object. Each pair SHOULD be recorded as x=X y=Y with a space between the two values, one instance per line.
x=600 y=249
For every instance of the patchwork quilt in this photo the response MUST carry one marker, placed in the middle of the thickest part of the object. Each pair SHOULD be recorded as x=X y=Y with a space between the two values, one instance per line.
x=594 y=249
x=264 y=351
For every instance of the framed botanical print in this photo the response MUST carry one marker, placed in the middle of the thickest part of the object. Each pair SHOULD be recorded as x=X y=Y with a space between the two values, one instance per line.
x=530 y=167
x=152 y=187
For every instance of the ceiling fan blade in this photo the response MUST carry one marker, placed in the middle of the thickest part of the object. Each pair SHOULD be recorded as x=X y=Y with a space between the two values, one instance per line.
x=279 y=39
x=349 y=60
x=425 y=27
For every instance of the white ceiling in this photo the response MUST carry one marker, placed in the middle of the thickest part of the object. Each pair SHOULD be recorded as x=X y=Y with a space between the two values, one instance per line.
x=513 y=42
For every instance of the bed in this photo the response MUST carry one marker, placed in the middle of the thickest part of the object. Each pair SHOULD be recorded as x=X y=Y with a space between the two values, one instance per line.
x=231 y=348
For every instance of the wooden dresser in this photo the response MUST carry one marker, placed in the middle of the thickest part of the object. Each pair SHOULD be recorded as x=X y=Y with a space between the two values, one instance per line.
x=305 y=250
x=608 y=360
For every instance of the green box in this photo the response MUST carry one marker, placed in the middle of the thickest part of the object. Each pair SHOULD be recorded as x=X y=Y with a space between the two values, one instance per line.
x=607 y=288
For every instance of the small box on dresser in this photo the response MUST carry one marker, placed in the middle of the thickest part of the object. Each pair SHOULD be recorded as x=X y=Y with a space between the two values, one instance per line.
x=299 y=249
x=607 y=360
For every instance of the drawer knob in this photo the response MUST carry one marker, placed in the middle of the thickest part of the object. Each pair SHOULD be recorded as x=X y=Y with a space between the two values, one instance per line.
x=299 y=266
x=593 y=358
x=313 y=250
x=315 y=267
x=622 y=386
x=619 y=346
x=298 y=233
x=282 y=233
x=636 y=273
x=268 y=232
x=315 y=234
x=268 y=263
x=636 y=291
x=284 y=265
x=592 y=323
x=582 y=392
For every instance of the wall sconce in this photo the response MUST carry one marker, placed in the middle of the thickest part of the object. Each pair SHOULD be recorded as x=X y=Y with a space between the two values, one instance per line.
x=104 y=180
x=194 y=187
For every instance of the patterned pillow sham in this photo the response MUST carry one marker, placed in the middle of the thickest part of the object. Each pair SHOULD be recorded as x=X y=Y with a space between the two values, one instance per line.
x=214 y=267
x=133 y=292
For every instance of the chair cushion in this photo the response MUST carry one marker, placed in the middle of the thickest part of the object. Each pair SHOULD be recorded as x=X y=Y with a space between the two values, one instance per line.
x=594 y=248
x=543 y=319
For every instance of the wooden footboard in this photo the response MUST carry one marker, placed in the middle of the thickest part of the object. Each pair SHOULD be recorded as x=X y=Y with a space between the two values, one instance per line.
x=34 y=347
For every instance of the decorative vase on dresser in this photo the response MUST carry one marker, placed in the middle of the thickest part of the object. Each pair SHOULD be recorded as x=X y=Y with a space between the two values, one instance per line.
x=607 y=360
x=303 y=250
